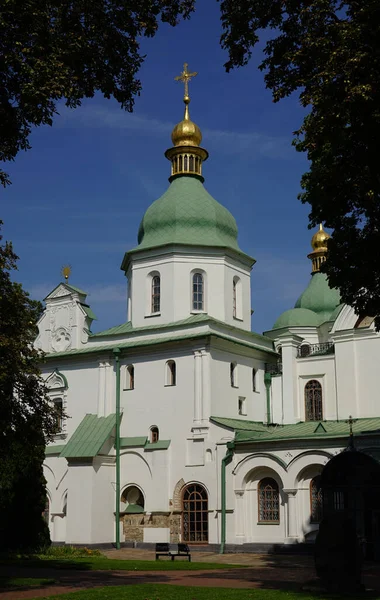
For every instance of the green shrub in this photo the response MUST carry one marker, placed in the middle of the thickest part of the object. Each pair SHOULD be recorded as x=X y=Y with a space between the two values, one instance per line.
x=70 y=552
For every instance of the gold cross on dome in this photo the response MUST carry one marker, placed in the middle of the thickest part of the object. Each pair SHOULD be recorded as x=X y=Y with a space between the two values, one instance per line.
x=185 y=77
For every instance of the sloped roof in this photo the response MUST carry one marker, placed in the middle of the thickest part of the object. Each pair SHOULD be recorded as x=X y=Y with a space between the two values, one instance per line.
x=90 y=435
x=253 y=431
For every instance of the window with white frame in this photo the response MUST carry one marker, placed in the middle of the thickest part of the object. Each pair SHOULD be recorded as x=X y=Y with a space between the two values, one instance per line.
x=58 y=414
x=237 y=301
x=57 y=385
x=171 y=373
x=156 y=294
x=154 y=434
x=242 y=406
x=254 y=375
x=233 y=374
x=130 y=378
x=198 y=292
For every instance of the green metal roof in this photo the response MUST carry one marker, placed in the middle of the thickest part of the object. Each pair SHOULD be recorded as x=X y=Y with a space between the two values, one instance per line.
x=192 y=320
x=89 y=436
x=134 y=509
x=252 y=431
x=160 y=445
x=297 y=317
x=317 y=304
x=75 y=289
x=89 y=312
x=133 y=442
x=57 y=449
x=319 y=297
x=187 y=214
x=254 y=340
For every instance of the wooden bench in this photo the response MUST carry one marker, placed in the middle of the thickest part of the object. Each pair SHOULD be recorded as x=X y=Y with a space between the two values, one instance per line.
x=172 y=550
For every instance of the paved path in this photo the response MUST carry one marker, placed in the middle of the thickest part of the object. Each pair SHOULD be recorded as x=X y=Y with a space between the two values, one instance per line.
x=263 y=571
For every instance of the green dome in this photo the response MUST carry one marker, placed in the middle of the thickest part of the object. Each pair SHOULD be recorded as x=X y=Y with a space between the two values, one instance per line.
x=187 y=214
x=297 y=317
x=319 y=297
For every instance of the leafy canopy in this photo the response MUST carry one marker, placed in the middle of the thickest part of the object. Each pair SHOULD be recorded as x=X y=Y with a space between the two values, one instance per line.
x=69 y=50
x=329 y=52
x=27 y=419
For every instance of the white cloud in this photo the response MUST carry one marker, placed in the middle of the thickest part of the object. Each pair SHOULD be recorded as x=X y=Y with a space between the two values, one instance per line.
x=253 y=144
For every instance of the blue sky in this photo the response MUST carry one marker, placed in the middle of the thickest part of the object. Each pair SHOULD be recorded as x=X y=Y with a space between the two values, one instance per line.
x=78 y=196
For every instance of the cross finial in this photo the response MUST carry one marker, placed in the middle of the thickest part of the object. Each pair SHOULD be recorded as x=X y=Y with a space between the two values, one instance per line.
x=351 y=421
x=185 y=77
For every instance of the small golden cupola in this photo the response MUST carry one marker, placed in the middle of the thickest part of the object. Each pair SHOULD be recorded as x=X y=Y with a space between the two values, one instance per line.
x=186 y=155
x=319 y=245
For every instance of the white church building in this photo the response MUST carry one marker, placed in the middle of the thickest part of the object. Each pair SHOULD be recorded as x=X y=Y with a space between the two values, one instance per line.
x=181 y=424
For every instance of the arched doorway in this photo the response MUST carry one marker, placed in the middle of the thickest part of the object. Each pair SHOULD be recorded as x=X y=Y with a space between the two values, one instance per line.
x=195 y=514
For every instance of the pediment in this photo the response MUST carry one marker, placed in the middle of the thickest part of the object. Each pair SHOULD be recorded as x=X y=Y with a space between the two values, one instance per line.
x=56 y=381
x=58 y=292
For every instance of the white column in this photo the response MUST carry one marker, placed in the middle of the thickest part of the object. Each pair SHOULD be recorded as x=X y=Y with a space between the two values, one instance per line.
x=109 y=391
x=239 y=517
x=206 y=388
x=197 y=387
x=289 y=345
x=101 y=389
x=291 y=521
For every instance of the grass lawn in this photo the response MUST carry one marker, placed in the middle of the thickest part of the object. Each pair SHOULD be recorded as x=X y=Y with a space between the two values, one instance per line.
x=101 y=563
x=174 y=592
x=24 y=582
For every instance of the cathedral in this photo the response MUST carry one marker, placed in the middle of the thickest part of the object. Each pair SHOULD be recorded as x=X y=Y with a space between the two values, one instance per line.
x=182 y=424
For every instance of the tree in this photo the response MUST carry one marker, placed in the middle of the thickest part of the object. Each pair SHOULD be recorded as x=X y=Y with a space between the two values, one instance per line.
x=328 y=51
x=27 y=419
x=69 y=50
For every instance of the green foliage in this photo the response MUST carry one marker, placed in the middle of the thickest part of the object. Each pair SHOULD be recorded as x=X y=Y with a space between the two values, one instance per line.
x=69 y=50
x=173 y=592
x=69 y=552
x=328 y=51
x=102 y=563
x=24 y=582
x=27 y=420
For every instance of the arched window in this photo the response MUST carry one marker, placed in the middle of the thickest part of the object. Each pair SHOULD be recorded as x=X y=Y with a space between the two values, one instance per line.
x=305 y=350
x=268 y=501
x=313 y=401
x=58 y=413
x=254 y=380
x=198 y=291
x=191 y=163
x=195 y=514
x=130 y=378
x=233 y=374
x=237 y=308
x=133 y=499
x=156 y=294
x=234 y=298
x=154 y=434
x=316 y=500
x=171 y=373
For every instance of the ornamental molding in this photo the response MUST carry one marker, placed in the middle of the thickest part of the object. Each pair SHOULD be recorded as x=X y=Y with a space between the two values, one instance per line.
x=56 y=381
x=59 y=292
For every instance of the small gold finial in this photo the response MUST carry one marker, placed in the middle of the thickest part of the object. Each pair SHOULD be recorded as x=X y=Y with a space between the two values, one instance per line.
x=319 y=245
x=186 y=155
x=66 y=272
x=185 y=77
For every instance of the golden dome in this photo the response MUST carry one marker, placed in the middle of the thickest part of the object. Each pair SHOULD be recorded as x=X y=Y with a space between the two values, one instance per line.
x=319 y=239
x=186 y=133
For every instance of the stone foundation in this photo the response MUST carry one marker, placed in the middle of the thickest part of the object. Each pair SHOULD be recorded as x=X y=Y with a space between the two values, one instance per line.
x=134 y=525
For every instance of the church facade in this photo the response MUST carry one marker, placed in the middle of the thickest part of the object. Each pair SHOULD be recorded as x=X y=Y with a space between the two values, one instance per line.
x=181 y=424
